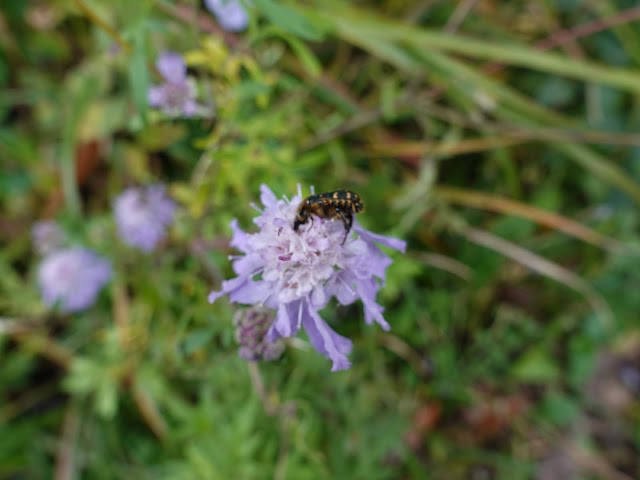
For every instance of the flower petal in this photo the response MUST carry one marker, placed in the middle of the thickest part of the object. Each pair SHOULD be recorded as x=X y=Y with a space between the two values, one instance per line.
x=367 y=289
x=240 y=237
x=250 y=293
x=287 y=322
x=156 y=96
x=390 y=242
x=228 y=286
x=343 y=288
x=267 y=197
x=326 y=341
x=231 y=14
x=172 y=67
x=213 y=296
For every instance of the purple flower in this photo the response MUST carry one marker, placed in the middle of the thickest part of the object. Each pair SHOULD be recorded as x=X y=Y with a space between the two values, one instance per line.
x=72 y=278
x=251 y=329
x=296 y=274
x=231 y=15
x=176 y=96
x=143 y=216
x=47 y=236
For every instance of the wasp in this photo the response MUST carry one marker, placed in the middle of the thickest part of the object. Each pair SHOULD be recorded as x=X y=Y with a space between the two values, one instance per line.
x=341 y=204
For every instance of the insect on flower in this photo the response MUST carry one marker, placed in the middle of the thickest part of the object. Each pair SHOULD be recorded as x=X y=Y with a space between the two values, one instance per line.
x=295 y=274
x=341 y=204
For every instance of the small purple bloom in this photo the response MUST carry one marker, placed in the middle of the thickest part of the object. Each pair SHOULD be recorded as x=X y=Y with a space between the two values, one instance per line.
x=72 y=278
x=176 y=96
x=296 y=274
x=252 y=325
x=231 y=15
x=143 y=216
x=47 y=236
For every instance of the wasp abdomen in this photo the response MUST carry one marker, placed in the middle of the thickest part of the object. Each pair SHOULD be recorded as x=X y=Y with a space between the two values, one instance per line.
x=341 y=204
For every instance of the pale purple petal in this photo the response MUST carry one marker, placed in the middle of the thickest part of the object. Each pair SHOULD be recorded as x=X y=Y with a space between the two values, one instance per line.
x=250 y=293
x=231 y=15
x=213 y=296
x=267 y=197
x=343 y=288
x=190 y=108
x=72 y=278
x=391 y=242
x=287 y=322
x=248 y=265
x=368 y=290
x=156 y=96
x=240 y=238
x=326 y=341
x=172 y=67
x=143 y=216
x=177 y=95
x=228 y=287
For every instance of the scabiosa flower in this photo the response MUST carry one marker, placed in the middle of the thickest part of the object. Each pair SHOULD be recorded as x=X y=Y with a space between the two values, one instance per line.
x=231 y=14
x=297 y=274
x=251 y=327
x=176 y=96
x=143 y=216
x=72 y=278
x=47 y=236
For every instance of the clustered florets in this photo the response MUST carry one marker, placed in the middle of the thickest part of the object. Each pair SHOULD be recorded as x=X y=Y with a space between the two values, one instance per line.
x=143 y=215
x=296 y=274
x=231 y=15
x=70 y=279
x=251 y=327
x=177 y=95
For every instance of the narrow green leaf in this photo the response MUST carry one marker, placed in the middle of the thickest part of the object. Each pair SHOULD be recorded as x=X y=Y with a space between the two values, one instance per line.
x=352 y=20
x=305 y=55
x=289 y=20
x=139 y=74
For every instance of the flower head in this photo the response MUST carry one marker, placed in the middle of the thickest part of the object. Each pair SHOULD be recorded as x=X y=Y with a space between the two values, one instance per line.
x=231 y=15
x=297 y=273
x=251 y=329
x=176 y=96
x=47 y=236
x=71 y=278
x=143 y=216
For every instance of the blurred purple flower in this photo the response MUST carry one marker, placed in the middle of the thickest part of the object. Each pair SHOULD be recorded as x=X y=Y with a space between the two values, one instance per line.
x=71 y=278
x=47 y=236
x=176 y=96
x=297 y=274
x=143 y=215
x=231 y=14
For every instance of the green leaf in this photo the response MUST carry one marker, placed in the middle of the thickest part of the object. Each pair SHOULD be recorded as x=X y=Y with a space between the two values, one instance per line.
x=289 y=20
x=559 y=409
x=308 y=60
x=197 y=339
x=138 y=73
x=106 y=400
x=535 y=365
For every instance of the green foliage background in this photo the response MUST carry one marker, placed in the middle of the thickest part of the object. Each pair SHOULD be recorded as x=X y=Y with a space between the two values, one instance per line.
x=501 y=144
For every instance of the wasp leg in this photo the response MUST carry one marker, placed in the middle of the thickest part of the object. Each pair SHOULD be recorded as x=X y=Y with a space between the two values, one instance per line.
x=347 y=221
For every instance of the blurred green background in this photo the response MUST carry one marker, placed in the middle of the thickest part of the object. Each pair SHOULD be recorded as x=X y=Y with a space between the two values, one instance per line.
x=500 y=139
